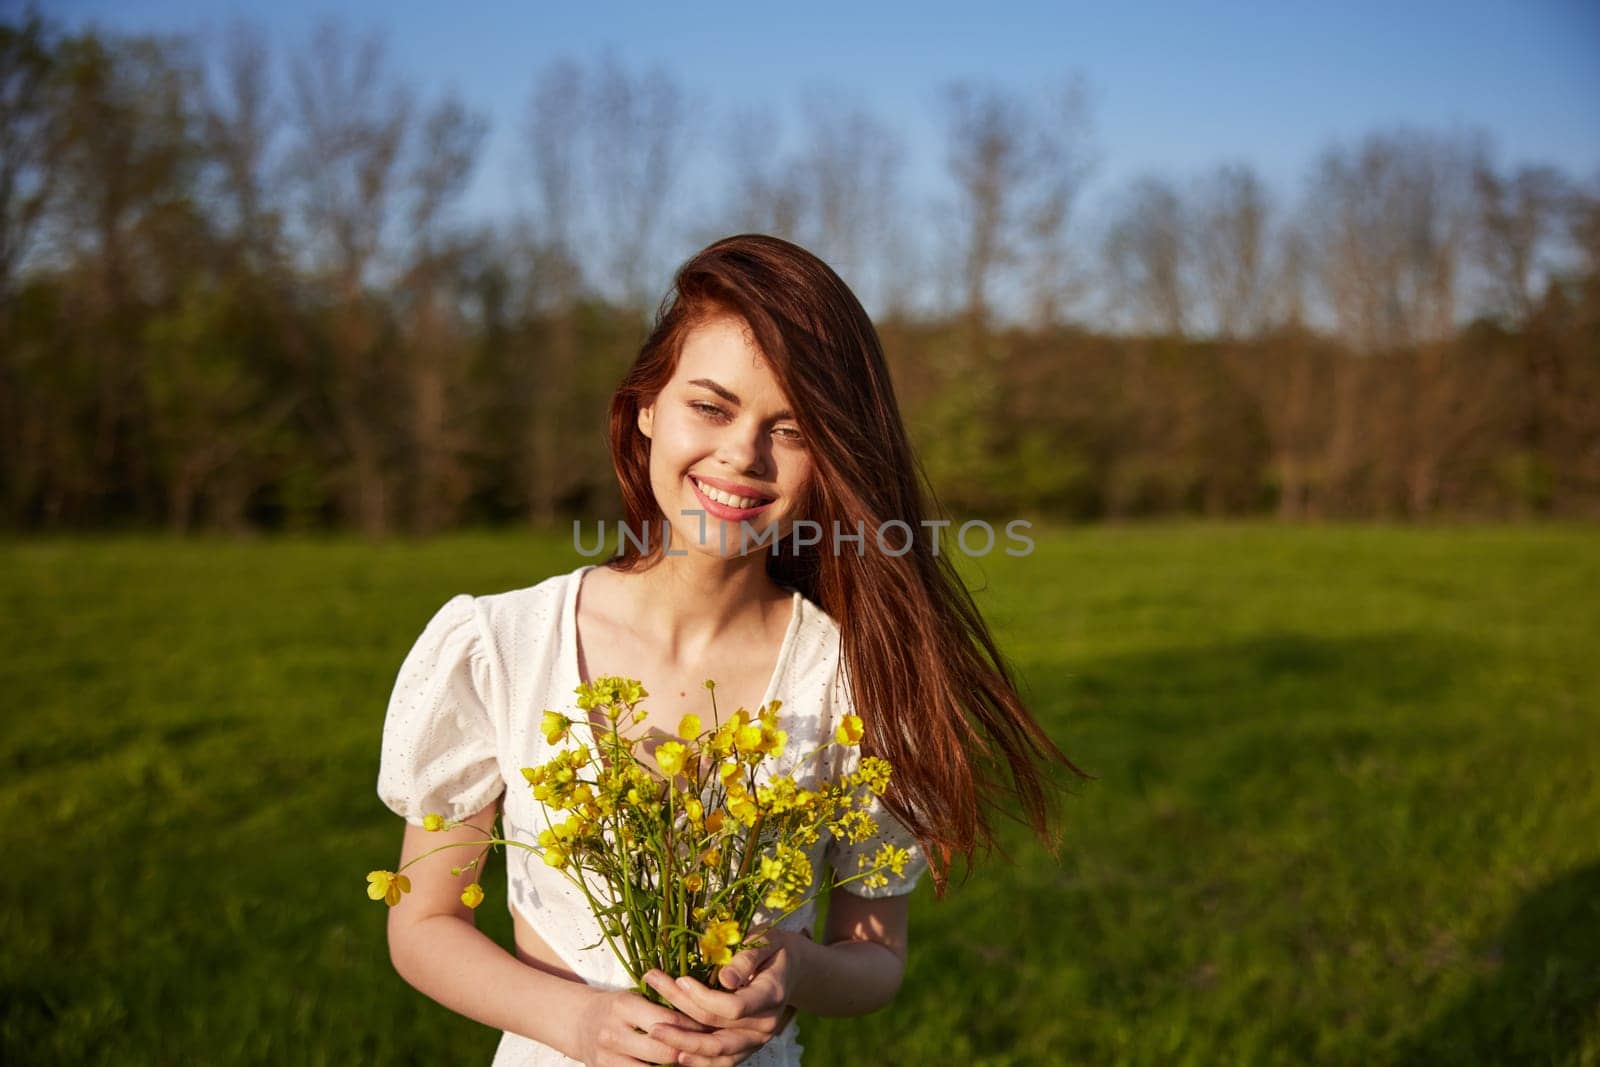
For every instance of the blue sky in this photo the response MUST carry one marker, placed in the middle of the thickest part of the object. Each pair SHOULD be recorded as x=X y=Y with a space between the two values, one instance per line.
x=1176 y=88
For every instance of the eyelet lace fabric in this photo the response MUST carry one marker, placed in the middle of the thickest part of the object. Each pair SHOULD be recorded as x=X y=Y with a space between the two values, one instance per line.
x=463 y=720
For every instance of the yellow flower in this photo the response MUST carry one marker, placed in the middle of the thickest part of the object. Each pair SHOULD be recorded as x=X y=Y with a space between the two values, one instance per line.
x=669 y=757
x=716 y=944
x=433 y=823
x=779 y=796
x=387 y=886
x=788 y=875
x=693 y=882
x=555 y=727
x=854 y=826
x=640 y=716
x=694 y=809
x=689 y=727
x=714 y=821
x=874 y=774
x=748 y=738
x=762 y=735
x=893 y=858
x=614 y=694
x=555 y=855
x=472 y=896
x=742 y=806
x=850 y=731
x=644 y=789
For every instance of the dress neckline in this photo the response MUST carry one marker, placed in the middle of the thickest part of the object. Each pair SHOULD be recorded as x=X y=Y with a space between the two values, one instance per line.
x=569 y=642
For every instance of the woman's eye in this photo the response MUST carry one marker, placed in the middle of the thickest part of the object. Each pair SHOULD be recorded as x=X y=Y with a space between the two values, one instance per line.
x=717 y=414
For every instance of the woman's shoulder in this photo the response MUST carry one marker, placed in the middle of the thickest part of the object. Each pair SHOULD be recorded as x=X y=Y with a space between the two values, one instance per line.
x=816 y=652
x=820 y=628
x=522 y=628
x=529 y=607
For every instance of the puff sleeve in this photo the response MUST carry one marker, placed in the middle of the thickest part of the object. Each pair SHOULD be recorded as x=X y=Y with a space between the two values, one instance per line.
x=439 y=745
x=841 y=855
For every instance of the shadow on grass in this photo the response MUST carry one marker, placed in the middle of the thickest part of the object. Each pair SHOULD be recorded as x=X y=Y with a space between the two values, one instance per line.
x=1256 y=677
x=1233 y=707
x=1537 y=997
x=50 y=745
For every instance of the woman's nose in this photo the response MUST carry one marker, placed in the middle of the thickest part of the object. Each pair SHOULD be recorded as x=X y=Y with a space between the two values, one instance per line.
x=743 y=447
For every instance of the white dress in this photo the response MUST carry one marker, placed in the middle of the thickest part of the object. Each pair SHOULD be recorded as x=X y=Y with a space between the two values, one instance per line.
x=464 y=720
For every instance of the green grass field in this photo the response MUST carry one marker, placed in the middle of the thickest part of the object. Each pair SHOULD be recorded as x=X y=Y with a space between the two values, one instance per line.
x=1347 y=808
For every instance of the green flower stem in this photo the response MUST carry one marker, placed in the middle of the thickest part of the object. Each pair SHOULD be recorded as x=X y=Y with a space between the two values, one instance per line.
x=628 y=961
x=627 y=889
x=663 y=944
x=752 y=841
x=465 y=844
x=629 y=964
x=630 y=928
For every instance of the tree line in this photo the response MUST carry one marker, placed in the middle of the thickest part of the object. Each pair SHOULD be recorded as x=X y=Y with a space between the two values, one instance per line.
x=239 y=290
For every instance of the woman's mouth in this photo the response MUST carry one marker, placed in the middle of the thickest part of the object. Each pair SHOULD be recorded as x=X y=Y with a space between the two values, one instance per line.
x=727 y=506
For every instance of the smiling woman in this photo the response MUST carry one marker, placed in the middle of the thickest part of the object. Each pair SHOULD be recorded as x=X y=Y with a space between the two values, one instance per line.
x=761 y=401
x=724 y=442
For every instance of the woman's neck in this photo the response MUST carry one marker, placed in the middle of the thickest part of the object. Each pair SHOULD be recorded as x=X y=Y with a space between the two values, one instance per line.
x=689 y=602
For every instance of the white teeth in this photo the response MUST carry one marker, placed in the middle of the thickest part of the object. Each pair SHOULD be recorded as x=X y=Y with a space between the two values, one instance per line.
x=727 y=499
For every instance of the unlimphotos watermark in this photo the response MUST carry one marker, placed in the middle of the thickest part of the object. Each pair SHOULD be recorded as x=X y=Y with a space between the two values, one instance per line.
x=893 y=537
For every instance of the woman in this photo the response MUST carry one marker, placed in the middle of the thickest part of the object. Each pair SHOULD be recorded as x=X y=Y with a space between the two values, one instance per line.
x=775 y=543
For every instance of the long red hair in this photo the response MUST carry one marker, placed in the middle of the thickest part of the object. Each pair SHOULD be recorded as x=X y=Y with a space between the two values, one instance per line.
x=937 y=697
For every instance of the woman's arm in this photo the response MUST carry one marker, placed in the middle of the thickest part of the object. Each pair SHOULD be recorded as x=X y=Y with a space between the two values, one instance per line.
x=435 y=945
x=858 y=965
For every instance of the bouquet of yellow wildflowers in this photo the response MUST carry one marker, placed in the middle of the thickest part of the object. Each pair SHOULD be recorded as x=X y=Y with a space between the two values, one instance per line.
x=676 y=852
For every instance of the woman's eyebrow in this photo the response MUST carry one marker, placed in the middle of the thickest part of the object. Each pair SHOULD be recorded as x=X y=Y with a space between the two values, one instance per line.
x=733 y=398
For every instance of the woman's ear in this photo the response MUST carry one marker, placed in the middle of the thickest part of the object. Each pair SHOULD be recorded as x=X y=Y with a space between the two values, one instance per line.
x=647 y=419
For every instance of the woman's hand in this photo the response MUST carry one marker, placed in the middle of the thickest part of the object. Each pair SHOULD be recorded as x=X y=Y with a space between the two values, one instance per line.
x=615 y=1030
x=745 y=1017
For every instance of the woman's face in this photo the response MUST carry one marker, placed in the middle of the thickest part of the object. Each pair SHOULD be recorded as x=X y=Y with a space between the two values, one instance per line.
x=723 y=441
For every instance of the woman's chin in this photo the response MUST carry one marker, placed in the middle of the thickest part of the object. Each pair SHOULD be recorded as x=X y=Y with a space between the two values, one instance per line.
x=724 y=540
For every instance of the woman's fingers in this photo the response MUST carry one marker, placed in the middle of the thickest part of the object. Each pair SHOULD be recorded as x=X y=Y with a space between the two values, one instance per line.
x=689 y=1059
x=642 y=1047
x=711 y=1002
x=679 y=998
x=738 y=972
x=695 y=1042
x=645 y=1014
x=754 y=1004
x=732 y=1046
x=654 y=1034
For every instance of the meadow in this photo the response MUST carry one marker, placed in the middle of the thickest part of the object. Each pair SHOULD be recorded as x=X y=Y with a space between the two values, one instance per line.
x=1346 y=807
